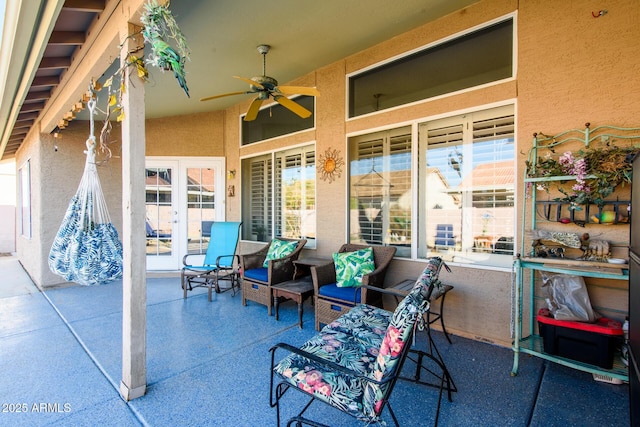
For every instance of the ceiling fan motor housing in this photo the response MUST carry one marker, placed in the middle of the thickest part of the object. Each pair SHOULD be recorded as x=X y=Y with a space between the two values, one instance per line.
x=267 y=82
x=264 y=49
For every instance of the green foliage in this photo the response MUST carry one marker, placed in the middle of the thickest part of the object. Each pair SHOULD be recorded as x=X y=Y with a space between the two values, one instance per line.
x=598 y=172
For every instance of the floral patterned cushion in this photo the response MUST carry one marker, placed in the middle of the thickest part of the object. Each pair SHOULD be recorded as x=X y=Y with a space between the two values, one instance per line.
x=367 y=340
x=363 y=321
x=279 y=249
x=346 y=392
x=352 y=266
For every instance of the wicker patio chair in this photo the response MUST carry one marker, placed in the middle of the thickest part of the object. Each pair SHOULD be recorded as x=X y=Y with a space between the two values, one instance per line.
x=258 y=279
x=331 y=301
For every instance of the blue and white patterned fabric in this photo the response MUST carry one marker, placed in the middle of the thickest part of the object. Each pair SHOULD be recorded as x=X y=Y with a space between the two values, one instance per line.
x=87 y=249
x=367 y=340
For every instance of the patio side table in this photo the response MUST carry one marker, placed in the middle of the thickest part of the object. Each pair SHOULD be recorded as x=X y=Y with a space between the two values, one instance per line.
x=303 y=265
x=297 y=290
x=405 y=286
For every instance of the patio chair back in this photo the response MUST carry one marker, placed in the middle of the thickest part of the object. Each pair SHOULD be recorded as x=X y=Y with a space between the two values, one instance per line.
x=222 y=244
x=218 y=262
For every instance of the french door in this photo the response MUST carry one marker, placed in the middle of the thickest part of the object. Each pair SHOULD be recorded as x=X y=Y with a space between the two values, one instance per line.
x=183 y=197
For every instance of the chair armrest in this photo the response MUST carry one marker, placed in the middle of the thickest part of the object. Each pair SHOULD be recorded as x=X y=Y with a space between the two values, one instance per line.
x=376 y=277
x=387 y=291
x=184 y=259
x=253 y=260
x=237 y=257
x=281 y=270
x=373 y=280
x=323 y=275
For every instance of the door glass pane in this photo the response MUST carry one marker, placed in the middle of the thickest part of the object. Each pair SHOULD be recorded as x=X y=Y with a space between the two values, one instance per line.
x=159 y=211
x=200 y=208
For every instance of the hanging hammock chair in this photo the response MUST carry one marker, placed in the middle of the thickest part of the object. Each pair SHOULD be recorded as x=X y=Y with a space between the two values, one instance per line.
x=87 y=249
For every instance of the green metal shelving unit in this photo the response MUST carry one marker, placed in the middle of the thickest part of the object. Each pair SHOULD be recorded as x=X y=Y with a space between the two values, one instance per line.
x=532 y=344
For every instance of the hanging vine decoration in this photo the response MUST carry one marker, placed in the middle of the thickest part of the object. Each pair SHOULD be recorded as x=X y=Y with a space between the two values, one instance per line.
x=159 y=27
x=330 y=165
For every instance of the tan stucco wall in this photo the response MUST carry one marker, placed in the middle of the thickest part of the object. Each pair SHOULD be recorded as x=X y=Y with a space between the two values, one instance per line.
x=571 y=68
x=188 y=135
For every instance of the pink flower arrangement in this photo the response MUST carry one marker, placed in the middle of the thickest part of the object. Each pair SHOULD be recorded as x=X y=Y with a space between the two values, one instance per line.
x=596 y=171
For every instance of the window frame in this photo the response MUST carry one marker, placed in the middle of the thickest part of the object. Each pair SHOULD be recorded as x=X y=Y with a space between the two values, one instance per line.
x=274 y=203
x=25 y=200
x=417 y=211
x=469 y=222
x=514 y=55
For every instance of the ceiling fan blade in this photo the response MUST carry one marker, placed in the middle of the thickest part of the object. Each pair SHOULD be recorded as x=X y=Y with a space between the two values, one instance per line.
x=222 y=95
x=293 y=106
x=251 y=82
x=298 y=90
x=253 y=110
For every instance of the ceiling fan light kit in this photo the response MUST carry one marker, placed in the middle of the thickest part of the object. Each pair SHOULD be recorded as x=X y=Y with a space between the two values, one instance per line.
x=265 y=86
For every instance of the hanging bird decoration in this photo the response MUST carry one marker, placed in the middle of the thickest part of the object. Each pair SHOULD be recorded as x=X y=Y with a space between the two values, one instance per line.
x=160 y=26
x=455 y=162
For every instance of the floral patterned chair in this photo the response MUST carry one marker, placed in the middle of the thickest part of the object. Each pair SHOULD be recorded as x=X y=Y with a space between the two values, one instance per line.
x=354 y=362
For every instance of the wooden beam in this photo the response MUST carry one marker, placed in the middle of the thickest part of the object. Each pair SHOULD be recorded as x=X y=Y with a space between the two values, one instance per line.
x=26 y=116
x=40 y=95
x=25 y=124
x=134 y=279
x=74 y=38
x=96 y=56
x=54 y=62
x=19 y=133
x=45 y=81
x=32 y=106
x=84 y=5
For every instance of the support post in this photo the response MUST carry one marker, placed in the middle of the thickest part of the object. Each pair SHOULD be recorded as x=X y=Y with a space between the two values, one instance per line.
x=134 y=280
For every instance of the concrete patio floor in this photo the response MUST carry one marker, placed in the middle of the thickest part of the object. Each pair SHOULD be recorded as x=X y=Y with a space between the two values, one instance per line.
x=208 y=365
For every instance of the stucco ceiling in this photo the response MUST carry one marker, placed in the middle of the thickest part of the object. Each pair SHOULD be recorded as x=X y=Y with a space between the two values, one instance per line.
x=222 y=36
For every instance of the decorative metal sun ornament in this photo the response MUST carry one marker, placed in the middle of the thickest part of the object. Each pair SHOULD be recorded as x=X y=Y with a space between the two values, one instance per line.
x=330 y=165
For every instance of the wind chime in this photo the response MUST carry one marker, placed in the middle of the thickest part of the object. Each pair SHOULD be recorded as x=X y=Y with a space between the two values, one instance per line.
x=372 y=189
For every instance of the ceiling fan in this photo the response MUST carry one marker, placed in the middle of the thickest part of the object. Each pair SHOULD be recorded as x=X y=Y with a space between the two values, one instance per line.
x=265 y=87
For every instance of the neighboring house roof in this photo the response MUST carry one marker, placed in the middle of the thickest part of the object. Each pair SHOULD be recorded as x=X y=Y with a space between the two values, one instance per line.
x=494 y=175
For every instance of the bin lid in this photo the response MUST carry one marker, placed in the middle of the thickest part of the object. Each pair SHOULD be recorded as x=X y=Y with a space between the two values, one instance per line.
x=602 y=326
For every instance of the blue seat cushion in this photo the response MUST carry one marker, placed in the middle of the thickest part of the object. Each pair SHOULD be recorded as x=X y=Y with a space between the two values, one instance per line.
x=345 y=294
x=261 y=274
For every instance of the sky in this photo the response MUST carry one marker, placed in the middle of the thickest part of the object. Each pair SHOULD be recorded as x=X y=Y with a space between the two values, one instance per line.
x=2 y=6
x=7 y=168
x=7 y=182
